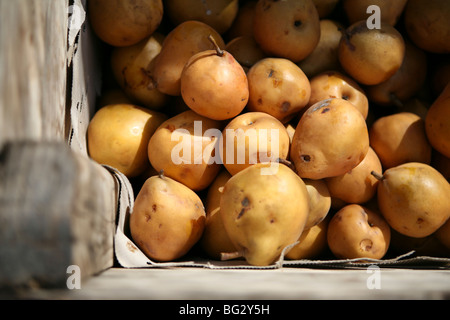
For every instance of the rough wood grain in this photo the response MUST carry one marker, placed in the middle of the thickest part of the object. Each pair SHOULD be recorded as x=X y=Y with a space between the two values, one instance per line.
x=57 y=208
x=33 y=67
x=276 y=284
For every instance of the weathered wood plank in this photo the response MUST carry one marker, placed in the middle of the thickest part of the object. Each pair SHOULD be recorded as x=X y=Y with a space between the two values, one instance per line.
x=33 y=67
x=57 y=208
x=275 y=284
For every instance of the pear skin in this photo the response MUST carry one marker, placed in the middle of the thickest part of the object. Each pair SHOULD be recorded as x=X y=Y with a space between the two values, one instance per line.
x=264 y=212
x=414 y=199
x=437 y=123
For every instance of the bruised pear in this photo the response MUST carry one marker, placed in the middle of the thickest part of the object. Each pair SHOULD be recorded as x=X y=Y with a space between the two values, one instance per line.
x=414 y=198
x=214 y=84
x=168 y=219
x=356 y=231
x=264 y=210
x=330 y=139
x=334 y=84
x=181 y=147
x=180 y=44
x=278 y=87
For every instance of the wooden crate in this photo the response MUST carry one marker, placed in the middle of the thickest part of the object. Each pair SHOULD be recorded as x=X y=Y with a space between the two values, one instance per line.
x=57 y=207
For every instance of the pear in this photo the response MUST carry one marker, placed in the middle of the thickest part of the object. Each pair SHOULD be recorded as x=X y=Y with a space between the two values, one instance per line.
x=414 y=198
x=264 y=210
x=390 y=11
x=403 y=84
x=219 y=14
x=245 y=50
x=426 y=23
x=180 y=44
x=324 y=57
x=371 y=56
x=400 y=137
x=330 y=139
x=437 y=123
x=214 y=84
x=122 y=23
x=320 y=201
x=215 y=239
x=130 y=67
x=288 y=29
x=168 y=218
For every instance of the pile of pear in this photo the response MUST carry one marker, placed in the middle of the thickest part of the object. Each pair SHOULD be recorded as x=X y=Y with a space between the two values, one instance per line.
x=362 y=164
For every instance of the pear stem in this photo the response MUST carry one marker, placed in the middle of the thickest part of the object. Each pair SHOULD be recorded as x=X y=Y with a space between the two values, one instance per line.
x=287 y=163
x=216 y=46
x=377 y=175
x=231 y=255
x=161 y=174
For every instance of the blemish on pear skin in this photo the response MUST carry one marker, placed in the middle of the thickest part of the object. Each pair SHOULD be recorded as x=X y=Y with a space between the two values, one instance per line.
x=245 y=203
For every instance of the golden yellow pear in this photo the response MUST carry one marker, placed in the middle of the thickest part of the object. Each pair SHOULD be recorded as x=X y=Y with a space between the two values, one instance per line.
x=118 y=135
x=167 y=220
x=288 y=29
x=371 y=56
x=264 y=210
x=414 y=198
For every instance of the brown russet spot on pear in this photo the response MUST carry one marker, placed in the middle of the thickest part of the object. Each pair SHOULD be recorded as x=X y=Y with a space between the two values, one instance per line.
x=278 y=87
x=171 y=232
x=327 y=144
x=131 y=66
x=355 y=231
